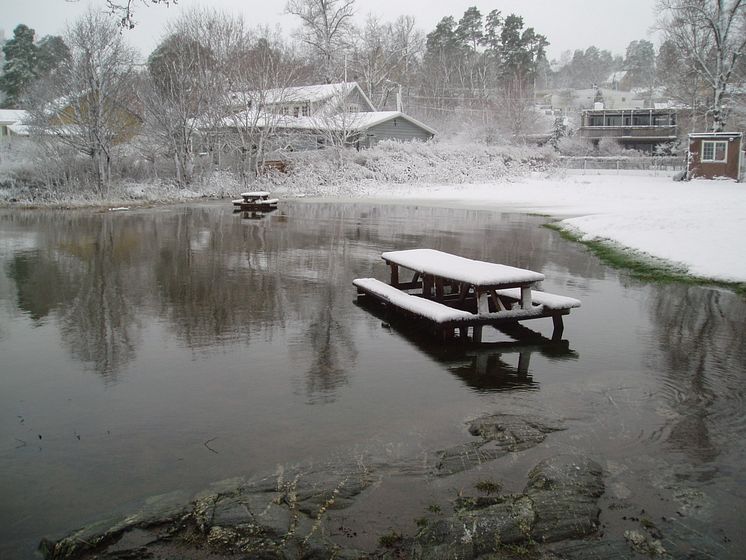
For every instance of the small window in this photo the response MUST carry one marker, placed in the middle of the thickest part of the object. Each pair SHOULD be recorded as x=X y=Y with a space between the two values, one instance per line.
x=296 y=111
x=715 y=151
x=304 y=110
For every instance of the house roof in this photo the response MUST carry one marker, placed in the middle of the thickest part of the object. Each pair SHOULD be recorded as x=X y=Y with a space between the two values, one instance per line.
x=320 y=93
x=716 y=135
x=353 y=122
x=364 y=121
x=12 y=116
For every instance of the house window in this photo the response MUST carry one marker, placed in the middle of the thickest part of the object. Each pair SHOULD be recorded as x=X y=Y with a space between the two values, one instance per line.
x=296 y=111
x=596 y=121
x=304 y=110
x=715 y=151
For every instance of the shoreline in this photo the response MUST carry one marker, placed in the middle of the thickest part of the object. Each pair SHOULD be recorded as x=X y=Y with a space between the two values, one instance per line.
x=600 y=212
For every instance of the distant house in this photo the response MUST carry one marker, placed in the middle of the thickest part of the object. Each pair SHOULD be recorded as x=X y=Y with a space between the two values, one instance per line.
x=311 y=117
x=637 y=129
x=619 y=80
x=715 y=154
x=306 y=101
x=12 y=123
x=571 y=99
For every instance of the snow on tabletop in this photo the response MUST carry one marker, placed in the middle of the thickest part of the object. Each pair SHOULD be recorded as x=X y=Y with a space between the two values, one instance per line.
x=255 y=194
x=424 y=307
x=460 y=269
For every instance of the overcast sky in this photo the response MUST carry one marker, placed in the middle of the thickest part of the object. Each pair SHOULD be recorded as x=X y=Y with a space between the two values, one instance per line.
x=568 y=24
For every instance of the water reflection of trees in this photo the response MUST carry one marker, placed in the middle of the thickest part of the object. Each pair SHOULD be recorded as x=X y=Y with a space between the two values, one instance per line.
x=701 y=335
x=328 y=332
x=217 y=279
x=79 y=271
x=218 y=283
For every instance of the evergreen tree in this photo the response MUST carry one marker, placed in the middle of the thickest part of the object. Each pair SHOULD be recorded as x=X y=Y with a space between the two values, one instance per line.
x=640 y=63
x=52 y=52
x=19 y=69
x=469 y=29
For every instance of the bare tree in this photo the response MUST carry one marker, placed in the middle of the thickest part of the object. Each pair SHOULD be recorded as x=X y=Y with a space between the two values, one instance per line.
x=384 y=54
x=326 y=28
x=124 y=9
x=260 y=75
x=87 y=102
x=187 y=93
x=711 y=35
x=517 y=114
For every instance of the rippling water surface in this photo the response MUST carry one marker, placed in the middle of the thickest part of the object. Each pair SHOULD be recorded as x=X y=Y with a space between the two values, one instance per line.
x=148 y=351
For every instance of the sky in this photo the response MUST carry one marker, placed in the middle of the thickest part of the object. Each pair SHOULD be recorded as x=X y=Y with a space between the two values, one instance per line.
x=568 y=24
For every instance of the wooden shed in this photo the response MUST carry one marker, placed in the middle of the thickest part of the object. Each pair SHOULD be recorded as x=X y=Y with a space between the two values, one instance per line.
x=715 y=155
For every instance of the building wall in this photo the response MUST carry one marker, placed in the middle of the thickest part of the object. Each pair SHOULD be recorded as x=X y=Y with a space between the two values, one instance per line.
x=396 y=129
x=709 y=170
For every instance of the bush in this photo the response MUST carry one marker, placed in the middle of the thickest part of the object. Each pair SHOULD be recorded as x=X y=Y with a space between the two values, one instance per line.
x=334 y=171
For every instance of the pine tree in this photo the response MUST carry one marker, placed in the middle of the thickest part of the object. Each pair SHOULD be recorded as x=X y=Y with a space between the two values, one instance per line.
x=20 y=67
x=52 y=52
x=469 y=29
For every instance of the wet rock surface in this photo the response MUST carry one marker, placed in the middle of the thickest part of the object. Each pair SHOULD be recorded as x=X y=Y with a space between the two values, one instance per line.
x=277 y=516
x=285 y=515
x=559 y=502
x=499 y=434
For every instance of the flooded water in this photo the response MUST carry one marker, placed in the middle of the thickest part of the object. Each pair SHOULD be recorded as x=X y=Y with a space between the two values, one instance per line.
x=156 y=350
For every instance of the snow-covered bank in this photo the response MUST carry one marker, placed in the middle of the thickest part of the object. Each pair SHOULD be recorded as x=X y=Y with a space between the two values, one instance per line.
x=699 y=225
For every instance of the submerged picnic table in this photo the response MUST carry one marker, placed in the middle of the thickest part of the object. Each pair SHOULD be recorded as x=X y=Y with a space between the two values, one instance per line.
x=255 y=200
x=454 y=292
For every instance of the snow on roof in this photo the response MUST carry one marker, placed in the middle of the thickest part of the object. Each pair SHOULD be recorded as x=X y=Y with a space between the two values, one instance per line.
x=715 y=134
x=342 y=121
x=616 y=76
x=12 y=116
x=305 y=94
x=460 y=269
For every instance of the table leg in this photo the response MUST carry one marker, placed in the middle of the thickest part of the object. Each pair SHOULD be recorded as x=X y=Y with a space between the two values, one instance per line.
x=394 y=274
x=525 y=297
x=483 y=304
x=427 y=286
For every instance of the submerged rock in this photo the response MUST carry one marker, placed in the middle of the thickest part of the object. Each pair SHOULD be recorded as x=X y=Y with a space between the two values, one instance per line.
x=499 y=435
x=559 y=502
x=277 y=516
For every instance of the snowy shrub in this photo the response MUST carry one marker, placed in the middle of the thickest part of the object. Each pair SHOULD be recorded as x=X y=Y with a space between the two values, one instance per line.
x=609 y=147
x=333 y=171
x=575 y=146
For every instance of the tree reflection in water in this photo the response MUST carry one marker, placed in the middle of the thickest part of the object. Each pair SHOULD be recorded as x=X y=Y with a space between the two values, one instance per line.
x=701 y=345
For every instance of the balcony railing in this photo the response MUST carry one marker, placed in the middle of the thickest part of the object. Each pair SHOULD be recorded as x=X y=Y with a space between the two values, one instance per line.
x=641 y=131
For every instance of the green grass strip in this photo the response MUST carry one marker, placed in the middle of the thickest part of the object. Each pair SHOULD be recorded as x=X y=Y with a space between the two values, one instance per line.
x=641 y=266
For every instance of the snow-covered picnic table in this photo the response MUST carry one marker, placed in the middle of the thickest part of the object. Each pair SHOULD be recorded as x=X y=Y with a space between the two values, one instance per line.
x=454 y=292
x=437 y=269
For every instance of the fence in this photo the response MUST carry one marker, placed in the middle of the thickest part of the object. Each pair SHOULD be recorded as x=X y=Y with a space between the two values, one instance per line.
x=651 y=164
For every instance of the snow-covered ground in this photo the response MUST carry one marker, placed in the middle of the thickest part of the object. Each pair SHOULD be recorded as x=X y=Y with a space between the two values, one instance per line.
x=700 y=225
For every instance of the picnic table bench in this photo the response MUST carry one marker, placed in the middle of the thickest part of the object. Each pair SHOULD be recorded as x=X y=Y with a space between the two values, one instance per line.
x=453 y=292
